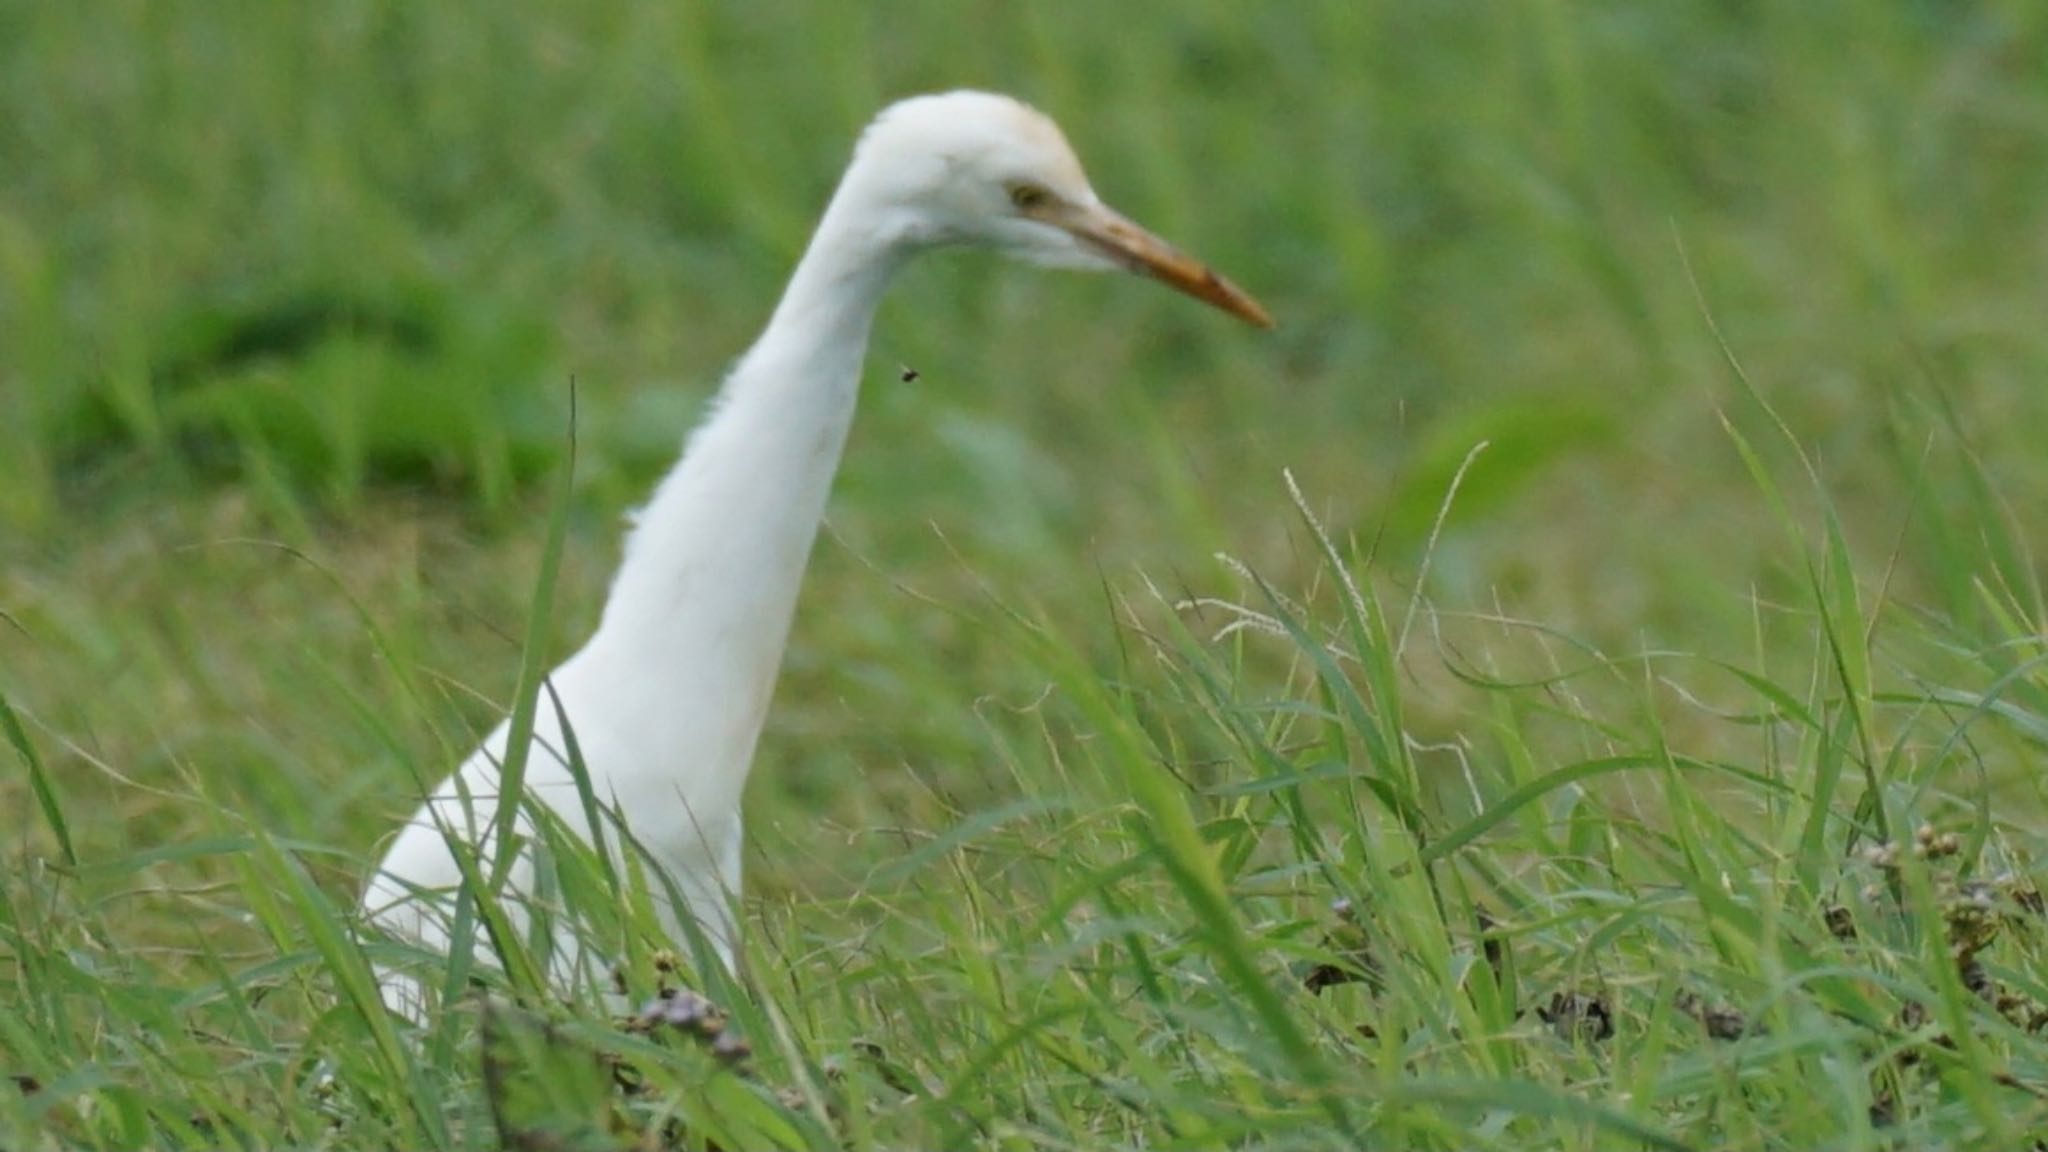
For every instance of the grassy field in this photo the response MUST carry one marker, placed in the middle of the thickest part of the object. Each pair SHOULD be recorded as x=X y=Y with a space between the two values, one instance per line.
x=1581 y=683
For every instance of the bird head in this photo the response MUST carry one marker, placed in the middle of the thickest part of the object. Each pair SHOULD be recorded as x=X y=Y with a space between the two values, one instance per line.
x=982 y=169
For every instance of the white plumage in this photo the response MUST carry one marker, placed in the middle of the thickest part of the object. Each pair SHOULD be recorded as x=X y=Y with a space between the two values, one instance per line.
x=667 y=698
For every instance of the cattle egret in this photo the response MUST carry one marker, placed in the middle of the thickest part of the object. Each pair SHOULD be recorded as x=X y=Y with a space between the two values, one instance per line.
x=666 y=699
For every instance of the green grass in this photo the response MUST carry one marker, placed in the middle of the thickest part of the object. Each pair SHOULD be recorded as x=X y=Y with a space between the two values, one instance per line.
x=1659 y=398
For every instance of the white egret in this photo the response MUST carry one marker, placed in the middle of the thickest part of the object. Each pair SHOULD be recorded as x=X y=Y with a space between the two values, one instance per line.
x=667 y=698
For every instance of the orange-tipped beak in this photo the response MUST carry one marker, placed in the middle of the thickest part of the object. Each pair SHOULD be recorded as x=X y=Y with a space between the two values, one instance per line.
x=1148 y=255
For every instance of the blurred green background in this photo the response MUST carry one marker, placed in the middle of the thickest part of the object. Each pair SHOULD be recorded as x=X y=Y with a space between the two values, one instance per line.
x=292 y=298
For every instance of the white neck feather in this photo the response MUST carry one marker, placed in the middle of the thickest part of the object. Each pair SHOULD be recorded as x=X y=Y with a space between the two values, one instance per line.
x=711 y=571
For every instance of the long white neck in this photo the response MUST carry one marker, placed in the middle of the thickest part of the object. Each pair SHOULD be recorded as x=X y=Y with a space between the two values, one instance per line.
x=708 y=585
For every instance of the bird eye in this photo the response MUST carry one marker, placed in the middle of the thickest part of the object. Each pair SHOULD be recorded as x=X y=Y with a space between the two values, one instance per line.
x=1025 y=197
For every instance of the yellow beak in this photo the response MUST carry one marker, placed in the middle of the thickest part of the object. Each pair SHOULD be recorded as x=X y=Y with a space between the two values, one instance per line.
x=1148 y=255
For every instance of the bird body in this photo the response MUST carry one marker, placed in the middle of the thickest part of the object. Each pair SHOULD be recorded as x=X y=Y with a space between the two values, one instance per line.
x=667 y=698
